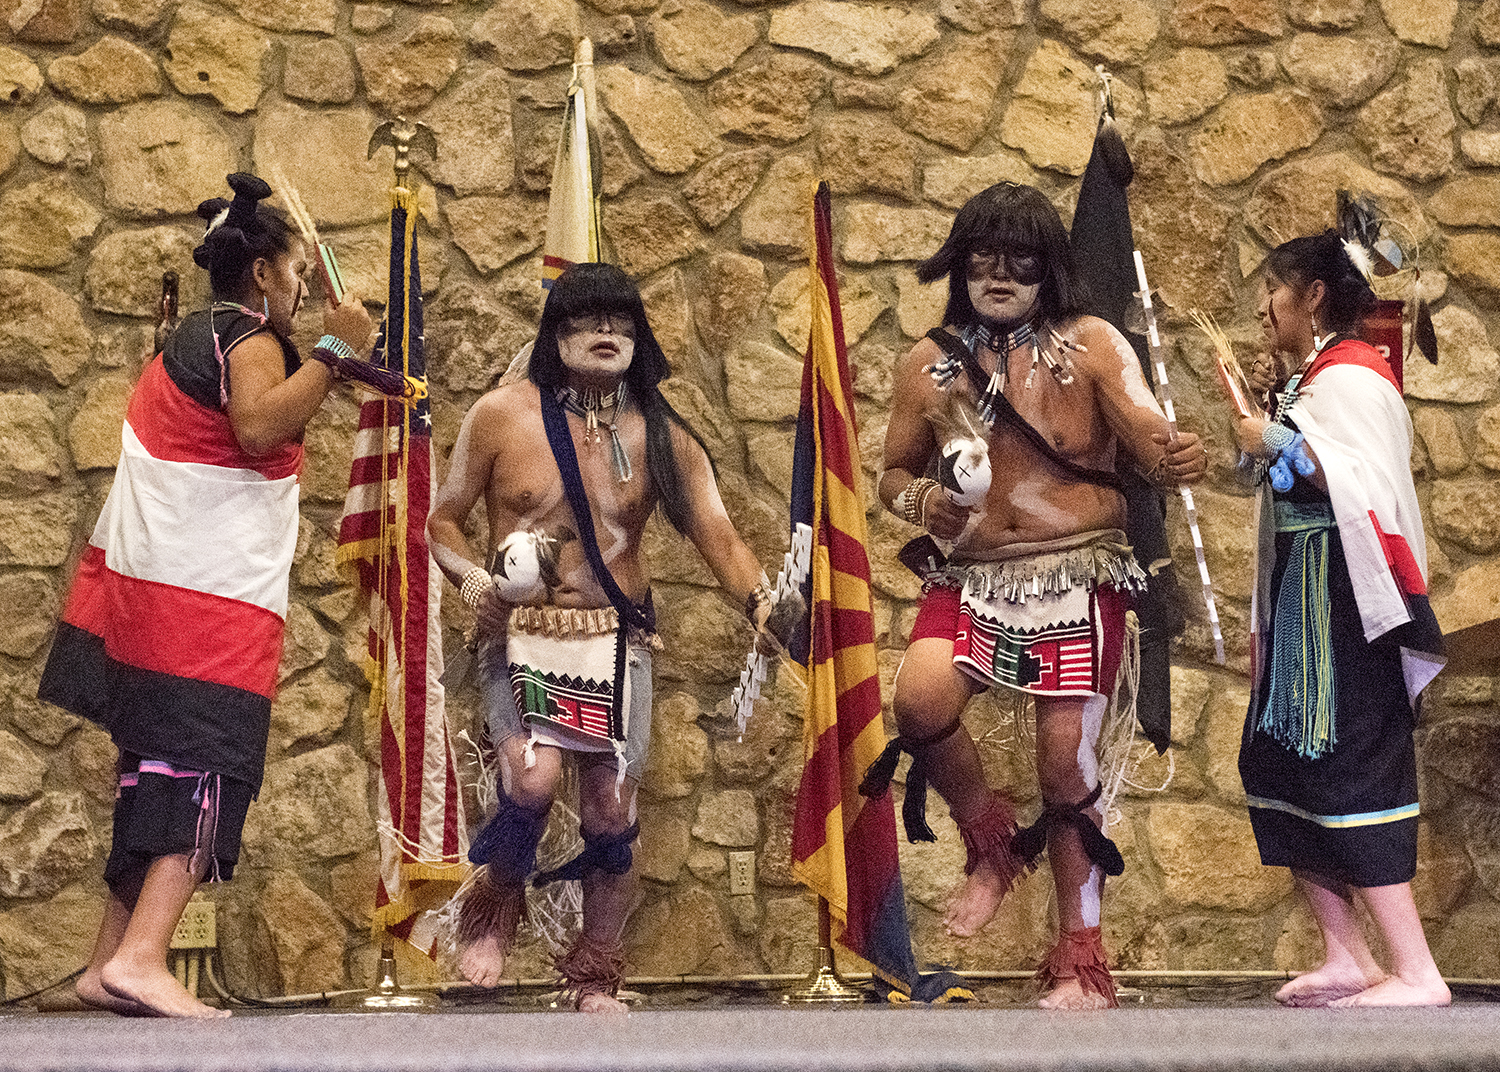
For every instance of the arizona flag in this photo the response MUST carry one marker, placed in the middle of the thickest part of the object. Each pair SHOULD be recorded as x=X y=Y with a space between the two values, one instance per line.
x=843 y=844
x=573 y=206
x=384 y=537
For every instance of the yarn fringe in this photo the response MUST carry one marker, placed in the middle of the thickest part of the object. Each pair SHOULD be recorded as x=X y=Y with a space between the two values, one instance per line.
x=1079 y=955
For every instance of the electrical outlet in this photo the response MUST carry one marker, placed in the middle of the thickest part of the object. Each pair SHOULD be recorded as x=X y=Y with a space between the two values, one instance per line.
x=742 y=872
x=196 y=929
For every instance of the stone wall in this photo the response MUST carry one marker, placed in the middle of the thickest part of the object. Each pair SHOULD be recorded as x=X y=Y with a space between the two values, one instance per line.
x=118 y=116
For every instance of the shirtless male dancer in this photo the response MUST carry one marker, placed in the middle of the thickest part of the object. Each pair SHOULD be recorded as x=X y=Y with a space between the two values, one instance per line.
x=1041 y=553
x=597 y=364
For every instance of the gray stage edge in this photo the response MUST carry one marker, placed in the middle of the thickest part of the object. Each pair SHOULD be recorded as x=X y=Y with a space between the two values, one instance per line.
x=869 y=1039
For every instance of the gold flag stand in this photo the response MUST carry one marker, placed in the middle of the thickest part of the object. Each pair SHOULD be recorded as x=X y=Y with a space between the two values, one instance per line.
x=824 y=986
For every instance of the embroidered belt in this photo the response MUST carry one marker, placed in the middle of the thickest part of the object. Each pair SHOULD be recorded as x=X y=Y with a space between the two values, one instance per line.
x=1304 y=517
x=1047 y=569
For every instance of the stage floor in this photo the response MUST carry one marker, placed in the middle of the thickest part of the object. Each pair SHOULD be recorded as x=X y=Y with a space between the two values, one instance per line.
x=1174 y=1029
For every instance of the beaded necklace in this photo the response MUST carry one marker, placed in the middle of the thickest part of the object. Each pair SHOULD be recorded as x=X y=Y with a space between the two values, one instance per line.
x=588 y=404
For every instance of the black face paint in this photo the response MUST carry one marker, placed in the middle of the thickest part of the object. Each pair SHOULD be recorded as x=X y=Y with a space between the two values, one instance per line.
x=1024 y=266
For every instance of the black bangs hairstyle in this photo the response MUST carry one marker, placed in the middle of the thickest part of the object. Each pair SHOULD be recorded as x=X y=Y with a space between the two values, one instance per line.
x=1007 y=216
x=1322 y=257
x=239 y=233
x=591 y=289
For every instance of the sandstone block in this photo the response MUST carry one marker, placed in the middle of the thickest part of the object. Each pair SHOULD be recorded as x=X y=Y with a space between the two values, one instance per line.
x=50 y=22
x=59 y=136
x=745 y=761
x=698 y=41
x=791 y=304
x=705 y=640
x=290 y=16
x=1118 y=33
x=1208 y=859
x=530 y=35
x=666 y=302
x=38 y=531
x=40 y=722
x=1480 y=147
x=874 y=233
x=312 y=806
x=304 y=935
x=727 y=818
x=863 y=153
x=1476 y=87
x=31 y=457
x=1408 y=128
x=370 y=18
x=771 y=458
x=41 y=329
x=720 y=185
x=1487 y=431
x=1468 y=942
x=10 y=146
x=318 y=71
x=1340 y=72
x=1325 y=14
x=680 y=934
x=1299 y=198
x=1228 y=543
x=664 y=846
x=472 y=335
x=782 y=936
x=44 y=846
x=667 y=131
x=648 y=234
x=403 y=77
x=1248 y=131
x=1421 y=22
x=869 y=38
x=1224 y=724
x=764 y=384
x=20 y=78
x=950 y=96
x=919 y=306
x=494 y=231
x=977 y=16
x=952 y=180
x=129 y=14
x=20 y=770
x=476 y=149
x=1185 y=85
x=43 y=223
x=1486 y=24
x=775 y=218
x=1051 y=114
x=1455 y=747
x=1468 y=201
x=1226 y=22
x=124 y=270
x=40 y=943
x=112 y=71
x=325 y=474
x=771 y=100
x=91 y=764
x=1444 y=873
x=209 y=54
x=1471 y=260
x=679 y=748
x=1442 y=440
x=1466 y=510
x=162 y=159
x=730 y=297
x=316 y=710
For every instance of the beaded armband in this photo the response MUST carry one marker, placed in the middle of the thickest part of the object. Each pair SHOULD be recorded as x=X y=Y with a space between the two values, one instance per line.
x=1276 y=438
x=909 y=504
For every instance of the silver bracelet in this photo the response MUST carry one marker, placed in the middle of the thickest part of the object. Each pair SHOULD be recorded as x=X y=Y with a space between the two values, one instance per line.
x=476 y=582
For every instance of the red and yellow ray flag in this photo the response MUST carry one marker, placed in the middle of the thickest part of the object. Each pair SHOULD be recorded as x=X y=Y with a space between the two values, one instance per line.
x=573 y=204
x=843 y=844
x=383 y=539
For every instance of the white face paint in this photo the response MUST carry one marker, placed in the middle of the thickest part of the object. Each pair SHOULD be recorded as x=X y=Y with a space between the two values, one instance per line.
x=596 y=349
x=1088 y=765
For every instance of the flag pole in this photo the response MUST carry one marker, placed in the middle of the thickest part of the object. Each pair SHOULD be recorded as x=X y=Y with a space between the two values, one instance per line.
x=824 y=986
x=387 y=993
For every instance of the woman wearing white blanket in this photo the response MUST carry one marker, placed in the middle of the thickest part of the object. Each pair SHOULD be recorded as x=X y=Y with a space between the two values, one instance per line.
x=1344 y=639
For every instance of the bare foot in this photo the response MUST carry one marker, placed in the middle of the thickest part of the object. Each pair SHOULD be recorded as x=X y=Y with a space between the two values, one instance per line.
x=1068 y=994
x=156 y=989
x=91 y=992
x=602 y=1003
x=1397 y=991
x=976 y=903
x=483 y=961
x=1325 y=986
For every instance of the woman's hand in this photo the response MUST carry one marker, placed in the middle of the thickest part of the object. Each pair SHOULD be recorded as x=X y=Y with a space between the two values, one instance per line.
x=350 y=322
x=1249 y=434
x=1261 y=375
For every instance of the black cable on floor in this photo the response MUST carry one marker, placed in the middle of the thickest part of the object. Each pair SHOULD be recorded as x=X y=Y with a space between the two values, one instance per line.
x=51 y=986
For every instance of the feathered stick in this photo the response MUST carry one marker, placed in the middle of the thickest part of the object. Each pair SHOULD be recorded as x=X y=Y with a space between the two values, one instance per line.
x=1231 y=374
x=1164 y=393
x=794 y=567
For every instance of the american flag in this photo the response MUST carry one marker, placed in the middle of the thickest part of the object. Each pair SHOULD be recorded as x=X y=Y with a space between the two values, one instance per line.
x=383 y=537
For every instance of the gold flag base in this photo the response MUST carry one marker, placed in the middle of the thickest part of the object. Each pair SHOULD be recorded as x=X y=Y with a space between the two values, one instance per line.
x=387 y=994
x=823 y=986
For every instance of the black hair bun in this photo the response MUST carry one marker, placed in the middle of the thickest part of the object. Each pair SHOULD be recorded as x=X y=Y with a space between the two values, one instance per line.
x=249 y=190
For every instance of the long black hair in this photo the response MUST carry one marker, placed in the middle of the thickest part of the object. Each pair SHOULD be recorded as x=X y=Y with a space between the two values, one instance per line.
x=591 y=289
x=1019 y=220
x=240 y=232
x=1348 y=296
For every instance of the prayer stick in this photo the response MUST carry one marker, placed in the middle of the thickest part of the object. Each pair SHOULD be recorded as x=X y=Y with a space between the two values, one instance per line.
x=1164 y=395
